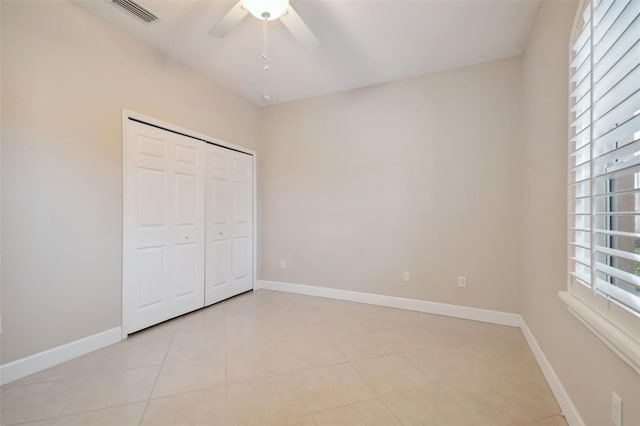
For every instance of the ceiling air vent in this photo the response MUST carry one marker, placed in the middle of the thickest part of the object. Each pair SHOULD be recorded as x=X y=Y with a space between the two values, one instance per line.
x=136 y=10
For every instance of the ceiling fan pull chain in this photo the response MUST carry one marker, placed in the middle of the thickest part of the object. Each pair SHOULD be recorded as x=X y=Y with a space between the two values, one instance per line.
x=265 y=45
x=265 y=51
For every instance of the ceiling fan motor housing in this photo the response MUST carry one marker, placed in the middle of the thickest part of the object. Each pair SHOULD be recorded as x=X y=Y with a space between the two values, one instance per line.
x=266 y=10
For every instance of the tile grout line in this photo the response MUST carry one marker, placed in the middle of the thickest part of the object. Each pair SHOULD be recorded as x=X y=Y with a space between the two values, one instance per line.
x=395 y=416
x=75 y=392
x=100 y=371
x=375 y=398
x=81 y=381
x=294 y=371
x=298 y=379
x=155 y=382
x=345 y=360
x=408 y=361
x=545 y=418
x=378 y=397
x=93 y=410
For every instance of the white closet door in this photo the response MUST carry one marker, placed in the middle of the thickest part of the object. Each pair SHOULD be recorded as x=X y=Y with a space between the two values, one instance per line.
x=229 y=233
x=163 y=250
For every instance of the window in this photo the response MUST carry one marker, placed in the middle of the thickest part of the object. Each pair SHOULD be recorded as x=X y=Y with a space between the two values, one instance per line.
x=604 y=173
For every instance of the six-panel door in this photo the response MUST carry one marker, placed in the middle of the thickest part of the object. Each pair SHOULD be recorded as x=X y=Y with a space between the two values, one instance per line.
x=188 y=225
x=163 y=253
x=229 y=233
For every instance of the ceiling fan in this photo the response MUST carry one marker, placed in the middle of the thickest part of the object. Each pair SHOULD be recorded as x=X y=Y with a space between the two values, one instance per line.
x=266 y=10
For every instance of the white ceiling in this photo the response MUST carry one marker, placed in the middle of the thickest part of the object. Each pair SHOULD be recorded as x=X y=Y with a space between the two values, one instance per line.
x=361 y=42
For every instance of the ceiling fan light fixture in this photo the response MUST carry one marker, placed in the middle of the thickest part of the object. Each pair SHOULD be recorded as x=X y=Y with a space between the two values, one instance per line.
x=266 y=10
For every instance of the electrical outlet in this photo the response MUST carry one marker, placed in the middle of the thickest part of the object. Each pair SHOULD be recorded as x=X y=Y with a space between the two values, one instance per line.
x=462 y=282
x=283 y=264
x=616 y=409
x=405 y=276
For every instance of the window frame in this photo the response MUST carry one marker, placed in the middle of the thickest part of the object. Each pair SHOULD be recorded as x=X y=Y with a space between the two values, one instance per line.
x=617 y=327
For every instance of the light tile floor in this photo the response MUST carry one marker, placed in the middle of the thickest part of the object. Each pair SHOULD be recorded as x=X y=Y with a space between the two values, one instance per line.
x=268 y=358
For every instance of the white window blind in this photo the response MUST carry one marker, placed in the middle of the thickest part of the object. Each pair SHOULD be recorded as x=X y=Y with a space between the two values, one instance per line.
x=604 y=157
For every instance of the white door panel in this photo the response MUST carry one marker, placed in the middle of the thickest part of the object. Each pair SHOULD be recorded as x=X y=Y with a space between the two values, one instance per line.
x=152 y=188
x=186 y=196
x=152 y=263
x=186 y=276
x=219 y=258
x=240 y=258
x=219 y=198
x=163 y=253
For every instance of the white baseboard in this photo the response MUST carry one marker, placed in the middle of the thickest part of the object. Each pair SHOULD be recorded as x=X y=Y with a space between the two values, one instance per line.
x=566 y=405
x=41 y=361
x=465 y=312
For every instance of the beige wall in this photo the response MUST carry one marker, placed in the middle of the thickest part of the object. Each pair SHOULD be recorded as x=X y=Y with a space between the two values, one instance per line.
x=420 y=175
x=66 y=75
x=587 y=368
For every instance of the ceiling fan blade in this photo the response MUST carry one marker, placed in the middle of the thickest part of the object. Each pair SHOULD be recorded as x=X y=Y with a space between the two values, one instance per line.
x=298 y=28
x=229 y=21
